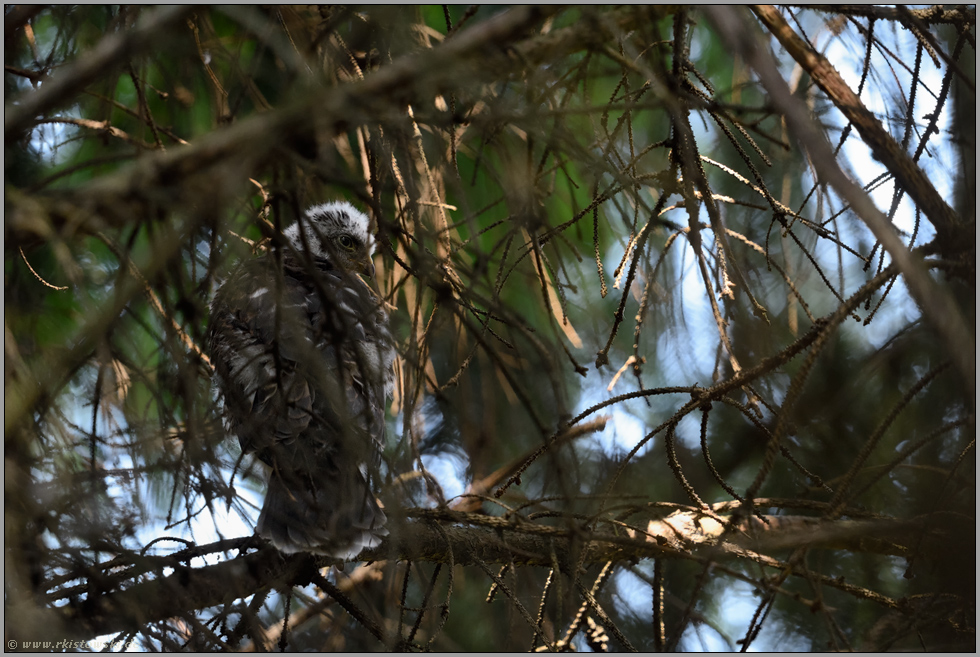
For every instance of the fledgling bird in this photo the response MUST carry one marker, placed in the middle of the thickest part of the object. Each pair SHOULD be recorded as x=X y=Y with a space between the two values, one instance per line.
x=303 y=358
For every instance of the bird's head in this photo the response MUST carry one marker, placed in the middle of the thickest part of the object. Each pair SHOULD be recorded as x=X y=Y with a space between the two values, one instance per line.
x=337 y=237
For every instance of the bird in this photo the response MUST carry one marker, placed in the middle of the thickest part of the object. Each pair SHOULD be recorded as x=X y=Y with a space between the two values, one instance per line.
x=303 y=359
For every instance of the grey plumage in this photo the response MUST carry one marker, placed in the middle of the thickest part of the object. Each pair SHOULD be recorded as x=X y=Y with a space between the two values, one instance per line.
x=303 y=361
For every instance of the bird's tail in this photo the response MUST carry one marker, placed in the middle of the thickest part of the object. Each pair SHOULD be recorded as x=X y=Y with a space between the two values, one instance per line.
x=329 y=516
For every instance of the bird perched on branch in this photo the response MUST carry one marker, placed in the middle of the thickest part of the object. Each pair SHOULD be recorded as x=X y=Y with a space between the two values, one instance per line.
x=303 y=357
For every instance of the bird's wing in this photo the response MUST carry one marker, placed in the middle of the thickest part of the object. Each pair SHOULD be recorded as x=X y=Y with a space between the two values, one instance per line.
x=261 y=331
x=354 y=343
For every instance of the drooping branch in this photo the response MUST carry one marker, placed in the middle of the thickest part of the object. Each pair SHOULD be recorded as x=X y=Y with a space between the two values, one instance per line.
x=889 y=152
x=112 y=51
x=441 y=536
x=251 y=140
x=937 y=303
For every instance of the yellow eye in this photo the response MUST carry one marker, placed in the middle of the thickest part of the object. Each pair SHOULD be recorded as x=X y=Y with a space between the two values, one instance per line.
x=346 y=242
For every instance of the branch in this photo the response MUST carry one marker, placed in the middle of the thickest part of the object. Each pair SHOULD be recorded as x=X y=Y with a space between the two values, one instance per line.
x=494 y=540
x=936 y=302
x=186 y=590
x=113 y=50
x=48 y=371
x=17 y=17
x=254 y=139
x=908 y=175
x=930 y=15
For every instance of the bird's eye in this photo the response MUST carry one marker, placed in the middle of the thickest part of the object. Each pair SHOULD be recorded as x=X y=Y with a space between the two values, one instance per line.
x=346 y=242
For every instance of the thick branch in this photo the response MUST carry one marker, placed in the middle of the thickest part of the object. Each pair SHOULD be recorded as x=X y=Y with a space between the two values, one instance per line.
x=929 y=15
x=253 y=139
x=889 y=152
x=185 y=590
x=496 y=541
x=936 y=302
